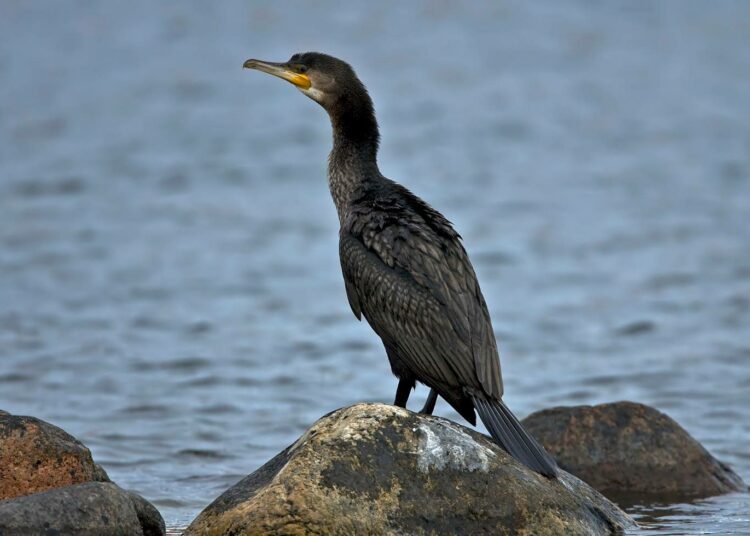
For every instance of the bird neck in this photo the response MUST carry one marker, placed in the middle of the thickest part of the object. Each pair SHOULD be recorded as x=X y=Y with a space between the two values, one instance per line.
x=352 y=163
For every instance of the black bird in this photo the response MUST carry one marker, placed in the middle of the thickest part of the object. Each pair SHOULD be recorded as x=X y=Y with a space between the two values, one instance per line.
x=405 y=268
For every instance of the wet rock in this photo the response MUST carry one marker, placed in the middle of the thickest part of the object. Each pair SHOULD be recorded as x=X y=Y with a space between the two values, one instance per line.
x=36 y=456
x=95 y=508
x=378 y=469
x=628 y=451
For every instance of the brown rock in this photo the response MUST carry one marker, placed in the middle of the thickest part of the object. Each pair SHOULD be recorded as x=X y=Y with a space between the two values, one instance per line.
x=36 y=456
x=628 y=450
x=378 y=469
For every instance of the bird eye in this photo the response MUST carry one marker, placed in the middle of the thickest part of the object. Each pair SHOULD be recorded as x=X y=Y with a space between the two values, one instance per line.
x=302 y=68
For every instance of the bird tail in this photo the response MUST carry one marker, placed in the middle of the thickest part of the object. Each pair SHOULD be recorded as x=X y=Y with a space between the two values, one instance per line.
x=508 y=432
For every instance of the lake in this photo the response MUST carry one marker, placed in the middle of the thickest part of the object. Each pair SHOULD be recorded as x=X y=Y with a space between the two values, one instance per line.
x=170 y=289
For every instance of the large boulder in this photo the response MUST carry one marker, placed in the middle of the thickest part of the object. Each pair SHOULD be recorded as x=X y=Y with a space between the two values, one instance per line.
x=95 y=509
x=49 y=484
x=37 y=456
x=379 y=469
x=631 y=451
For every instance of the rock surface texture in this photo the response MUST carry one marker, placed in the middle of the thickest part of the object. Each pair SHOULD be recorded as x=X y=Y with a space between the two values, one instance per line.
x=625 y=449
x=95 y=508
x=49 y=484
x=378 y=469
x=36 y=456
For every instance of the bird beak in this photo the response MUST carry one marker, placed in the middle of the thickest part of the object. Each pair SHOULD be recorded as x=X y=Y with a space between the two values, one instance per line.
x=281 y=70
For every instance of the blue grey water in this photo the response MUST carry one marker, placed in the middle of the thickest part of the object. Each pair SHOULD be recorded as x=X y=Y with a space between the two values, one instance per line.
x=170 y=291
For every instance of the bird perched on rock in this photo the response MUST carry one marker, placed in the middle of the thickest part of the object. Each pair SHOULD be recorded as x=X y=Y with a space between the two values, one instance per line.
x=404 y=266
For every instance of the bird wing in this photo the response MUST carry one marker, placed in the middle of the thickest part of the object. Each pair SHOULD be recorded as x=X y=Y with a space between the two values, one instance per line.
x=406 y=270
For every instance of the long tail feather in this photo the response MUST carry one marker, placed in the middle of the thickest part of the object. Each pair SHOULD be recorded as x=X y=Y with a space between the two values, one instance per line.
x=508 y=432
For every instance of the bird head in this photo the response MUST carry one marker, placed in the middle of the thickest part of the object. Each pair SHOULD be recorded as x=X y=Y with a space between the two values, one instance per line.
x=325 y=79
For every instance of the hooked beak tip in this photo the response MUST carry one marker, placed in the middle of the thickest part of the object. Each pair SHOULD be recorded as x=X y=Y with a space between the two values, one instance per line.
x=280 y=70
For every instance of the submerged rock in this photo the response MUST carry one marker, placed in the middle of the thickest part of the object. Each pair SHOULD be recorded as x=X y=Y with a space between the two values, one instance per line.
x=628 y=450
x=379 y=469
x=49 y=484
x=36 y=456
x=95 y=508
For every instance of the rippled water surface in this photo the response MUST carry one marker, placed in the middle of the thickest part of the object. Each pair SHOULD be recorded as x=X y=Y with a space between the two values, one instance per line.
x=170 y=290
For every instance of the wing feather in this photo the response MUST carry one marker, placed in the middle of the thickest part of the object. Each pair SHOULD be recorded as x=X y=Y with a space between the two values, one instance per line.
x=407 y=272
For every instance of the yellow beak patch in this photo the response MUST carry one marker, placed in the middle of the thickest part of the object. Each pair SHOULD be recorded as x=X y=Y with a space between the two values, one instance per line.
x=299 y=80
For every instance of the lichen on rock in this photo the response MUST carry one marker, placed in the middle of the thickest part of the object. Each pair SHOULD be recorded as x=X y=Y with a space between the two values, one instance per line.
x=378 y=469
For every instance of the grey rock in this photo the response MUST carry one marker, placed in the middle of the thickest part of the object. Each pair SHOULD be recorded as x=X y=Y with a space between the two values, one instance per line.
x=92 y=509
x=152 y=524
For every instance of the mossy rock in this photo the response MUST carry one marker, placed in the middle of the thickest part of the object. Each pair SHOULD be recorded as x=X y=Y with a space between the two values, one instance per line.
x=379 y=469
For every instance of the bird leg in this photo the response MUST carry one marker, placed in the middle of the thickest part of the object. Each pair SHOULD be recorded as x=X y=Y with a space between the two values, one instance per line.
x=405 y=385
x=429 y=405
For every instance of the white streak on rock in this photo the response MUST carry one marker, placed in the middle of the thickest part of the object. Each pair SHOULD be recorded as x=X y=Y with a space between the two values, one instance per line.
x=442 y=446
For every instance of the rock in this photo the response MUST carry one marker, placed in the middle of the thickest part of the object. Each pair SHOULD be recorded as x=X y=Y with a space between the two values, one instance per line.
x=378 y=469
x=95 y=508
x=152 y=524
x=628 y=450
x=36 y=456
x=49 y=484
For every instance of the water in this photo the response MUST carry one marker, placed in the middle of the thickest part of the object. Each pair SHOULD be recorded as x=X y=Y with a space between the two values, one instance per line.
x=170 y=289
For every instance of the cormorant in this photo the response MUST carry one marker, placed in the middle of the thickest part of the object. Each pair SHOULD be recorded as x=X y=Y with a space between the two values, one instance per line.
x=405 y=268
